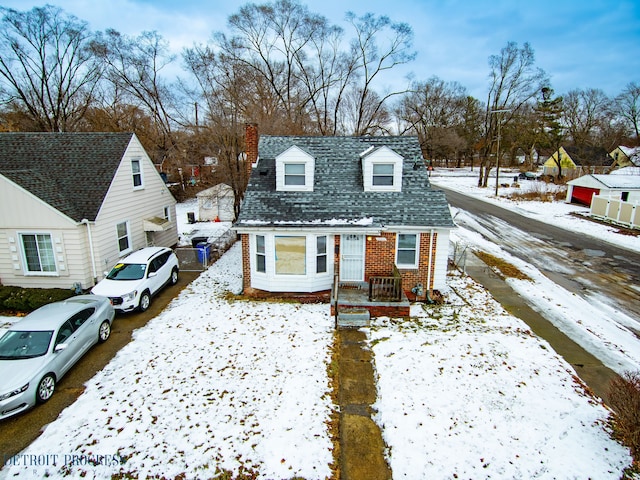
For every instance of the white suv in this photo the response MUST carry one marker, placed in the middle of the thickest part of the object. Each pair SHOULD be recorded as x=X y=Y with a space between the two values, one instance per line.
x=136 y=278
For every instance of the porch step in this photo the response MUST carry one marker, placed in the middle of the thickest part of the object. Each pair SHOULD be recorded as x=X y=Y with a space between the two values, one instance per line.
x=353 y=318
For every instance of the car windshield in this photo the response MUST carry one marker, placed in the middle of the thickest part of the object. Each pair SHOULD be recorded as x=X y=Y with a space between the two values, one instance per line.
x=127 y=271
x=18 y=345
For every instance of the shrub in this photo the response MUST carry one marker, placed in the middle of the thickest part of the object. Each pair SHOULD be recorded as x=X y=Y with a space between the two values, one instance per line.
x=624 y=398
x=25 y=300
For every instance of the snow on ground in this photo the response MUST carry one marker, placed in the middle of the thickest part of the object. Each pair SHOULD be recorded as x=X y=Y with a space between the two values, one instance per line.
x=213 y=383
x=209 y=385
x=465 y=390
x=603 y=335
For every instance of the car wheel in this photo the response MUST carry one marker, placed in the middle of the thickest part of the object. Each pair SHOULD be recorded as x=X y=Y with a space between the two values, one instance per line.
x=104 y=331
x=174 y=276
x=145 y=301
x=45 y=388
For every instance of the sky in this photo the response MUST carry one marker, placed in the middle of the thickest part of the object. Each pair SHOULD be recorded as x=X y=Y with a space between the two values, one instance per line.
x=464 y=390
x=580 y=44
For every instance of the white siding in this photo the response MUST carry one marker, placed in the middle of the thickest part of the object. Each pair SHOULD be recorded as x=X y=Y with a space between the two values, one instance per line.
x=309 y=282
x=441 y=260
x=295 y=155
x=27 y=214
x=124 y=203
x=382 y=155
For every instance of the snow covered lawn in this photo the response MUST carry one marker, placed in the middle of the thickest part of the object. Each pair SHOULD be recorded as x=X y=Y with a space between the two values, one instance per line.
x=214 y=384
x=208 y=385
x=465 y=390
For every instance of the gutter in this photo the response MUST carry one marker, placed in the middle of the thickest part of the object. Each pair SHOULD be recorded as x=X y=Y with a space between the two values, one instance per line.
x=428 y=289
x=93 y=257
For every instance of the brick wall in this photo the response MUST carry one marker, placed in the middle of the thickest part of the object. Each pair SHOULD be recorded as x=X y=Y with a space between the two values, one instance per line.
x=381 y=255
x=246 y=263
x=251 y=144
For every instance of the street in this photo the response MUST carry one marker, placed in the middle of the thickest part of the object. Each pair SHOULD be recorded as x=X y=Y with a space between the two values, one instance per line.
x=595 y=270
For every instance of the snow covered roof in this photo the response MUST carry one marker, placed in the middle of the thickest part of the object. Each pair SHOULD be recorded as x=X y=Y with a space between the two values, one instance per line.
x=338 y=197
x=627 y=182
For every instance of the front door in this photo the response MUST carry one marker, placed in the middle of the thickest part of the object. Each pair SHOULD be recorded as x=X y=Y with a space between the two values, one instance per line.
x=352 y=258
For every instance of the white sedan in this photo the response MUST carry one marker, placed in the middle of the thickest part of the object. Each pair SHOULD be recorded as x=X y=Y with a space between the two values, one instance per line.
x=38 y=350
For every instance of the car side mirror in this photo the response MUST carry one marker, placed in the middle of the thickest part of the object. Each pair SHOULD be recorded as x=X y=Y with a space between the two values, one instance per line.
x=59 y=347
x=152 y=274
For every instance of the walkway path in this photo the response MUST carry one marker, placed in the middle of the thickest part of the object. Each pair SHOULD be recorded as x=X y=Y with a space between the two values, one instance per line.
x=361 y=444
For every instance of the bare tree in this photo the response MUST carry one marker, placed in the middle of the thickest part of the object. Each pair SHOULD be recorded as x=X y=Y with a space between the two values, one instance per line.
x=225 y=88
x=134 y=66
x=435 y=111
x=585 y=114
x=47 y=69
x=270 y=41
x=627 y=106
x=373 y=61
x=514 y=81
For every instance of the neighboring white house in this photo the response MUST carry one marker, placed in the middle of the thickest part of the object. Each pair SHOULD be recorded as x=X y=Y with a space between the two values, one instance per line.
x=617 y=187
x=216 y=203
x=73 y=204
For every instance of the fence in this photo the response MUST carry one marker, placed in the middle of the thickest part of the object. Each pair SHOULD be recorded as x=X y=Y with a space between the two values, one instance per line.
x=199 y=258
x=613 y=210
x=458 y=255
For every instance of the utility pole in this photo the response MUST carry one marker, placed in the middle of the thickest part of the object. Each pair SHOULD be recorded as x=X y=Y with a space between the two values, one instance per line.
x=498 y=147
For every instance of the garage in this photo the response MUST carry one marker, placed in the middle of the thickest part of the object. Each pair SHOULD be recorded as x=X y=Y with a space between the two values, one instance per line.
x=583 y=195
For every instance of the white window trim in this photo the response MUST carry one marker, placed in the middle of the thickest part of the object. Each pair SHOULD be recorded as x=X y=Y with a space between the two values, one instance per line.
x=23 y=252
x=324 y=254
x=295 y=155
x=255 y=254
x=384 y=156
x=166 y=213
x=128 y=250
x=140 y=174
x=416 y=263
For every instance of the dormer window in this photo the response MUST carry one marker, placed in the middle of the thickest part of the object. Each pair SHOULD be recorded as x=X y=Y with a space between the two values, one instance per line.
x=382 y=174
x=382 y=170
x=294 y=171
x=294 y=174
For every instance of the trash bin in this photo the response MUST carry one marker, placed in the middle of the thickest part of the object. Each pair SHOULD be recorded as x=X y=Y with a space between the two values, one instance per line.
x=196 y=240
x=203 y=252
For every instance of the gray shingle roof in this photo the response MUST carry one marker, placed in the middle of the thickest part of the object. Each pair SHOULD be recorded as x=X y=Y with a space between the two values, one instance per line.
x=70 y=171
x=338 y=189
x=587 y=156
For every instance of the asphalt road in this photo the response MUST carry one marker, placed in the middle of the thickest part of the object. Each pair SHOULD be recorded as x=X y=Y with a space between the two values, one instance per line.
x=16 y=433
x=594 y=269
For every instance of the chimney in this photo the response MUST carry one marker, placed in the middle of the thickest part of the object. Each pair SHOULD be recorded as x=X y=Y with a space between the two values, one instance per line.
x=251 y=143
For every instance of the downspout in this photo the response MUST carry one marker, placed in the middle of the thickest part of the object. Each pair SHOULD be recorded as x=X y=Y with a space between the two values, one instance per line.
x=93 y=258
x=428 y=289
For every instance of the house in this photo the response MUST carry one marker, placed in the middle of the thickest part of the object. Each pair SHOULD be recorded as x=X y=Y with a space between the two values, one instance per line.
x=72 y=204
x=333 y=214
x=618 y=187
x=625 y=157
x=216 y=203
x=576 y=161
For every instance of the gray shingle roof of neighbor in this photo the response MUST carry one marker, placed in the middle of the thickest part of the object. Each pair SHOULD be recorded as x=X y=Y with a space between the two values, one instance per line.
x=71 y=172
x=589 y=156
x=338 y=197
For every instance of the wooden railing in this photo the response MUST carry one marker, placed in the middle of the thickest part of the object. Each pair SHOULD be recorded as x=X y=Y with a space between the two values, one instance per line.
x=387 y=289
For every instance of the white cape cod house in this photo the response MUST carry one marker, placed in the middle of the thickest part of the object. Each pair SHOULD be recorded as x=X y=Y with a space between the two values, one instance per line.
x=72 y=204
x=322 y=213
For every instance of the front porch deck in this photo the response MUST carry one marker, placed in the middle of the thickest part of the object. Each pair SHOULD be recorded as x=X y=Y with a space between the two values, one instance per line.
x=353 y=298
